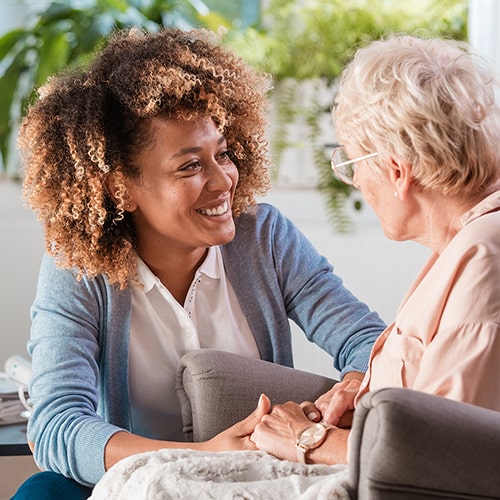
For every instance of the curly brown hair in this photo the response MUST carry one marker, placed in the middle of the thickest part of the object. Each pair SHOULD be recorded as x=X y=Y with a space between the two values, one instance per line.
x=90 y=123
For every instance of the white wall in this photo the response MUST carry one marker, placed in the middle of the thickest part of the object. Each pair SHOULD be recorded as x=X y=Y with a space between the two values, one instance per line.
x=484 y=35
x=20 y=251
x=12 y=14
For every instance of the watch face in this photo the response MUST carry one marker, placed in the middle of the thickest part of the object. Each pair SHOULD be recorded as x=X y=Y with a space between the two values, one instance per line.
x=312 y=435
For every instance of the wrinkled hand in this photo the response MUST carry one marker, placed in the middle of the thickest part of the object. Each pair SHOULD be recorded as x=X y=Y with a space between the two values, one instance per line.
x=277 y=432
x=337 y=405
x=237 y=437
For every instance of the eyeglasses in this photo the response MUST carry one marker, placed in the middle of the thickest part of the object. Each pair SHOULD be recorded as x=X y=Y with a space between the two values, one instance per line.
x=343 y=166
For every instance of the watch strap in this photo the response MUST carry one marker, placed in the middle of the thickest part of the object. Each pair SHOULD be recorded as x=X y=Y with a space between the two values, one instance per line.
x=301 y=453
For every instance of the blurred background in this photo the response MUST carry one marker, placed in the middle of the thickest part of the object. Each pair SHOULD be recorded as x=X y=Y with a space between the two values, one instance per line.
x=304 y=46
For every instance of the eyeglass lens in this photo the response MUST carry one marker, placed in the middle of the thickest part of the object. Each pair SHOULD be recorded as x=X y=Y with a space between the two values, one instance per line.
x=345 y=171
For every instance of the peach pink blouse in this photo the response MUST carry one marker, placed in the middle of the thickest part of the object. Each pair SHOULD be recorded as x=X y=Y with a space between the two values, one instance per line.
x=445 y=339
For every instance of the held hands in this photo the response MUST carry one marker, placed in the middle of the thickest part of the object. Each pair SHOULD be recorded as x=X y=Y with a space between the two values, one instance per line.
x=277 y=434
x=277 y=431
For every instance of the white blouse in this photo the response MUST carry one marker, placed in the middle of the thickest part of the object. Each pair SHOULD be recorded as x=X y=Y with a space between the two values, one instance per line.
x=162 y=331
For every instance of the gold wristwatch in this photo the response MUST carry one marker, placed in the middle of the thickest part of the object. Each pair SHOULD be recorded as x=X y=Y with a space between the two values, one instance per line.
x=311 y=437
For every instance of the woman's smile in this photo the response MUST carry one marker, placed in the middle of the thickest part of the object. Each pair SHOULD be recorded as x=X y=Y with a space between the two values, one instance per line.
x=215 y=211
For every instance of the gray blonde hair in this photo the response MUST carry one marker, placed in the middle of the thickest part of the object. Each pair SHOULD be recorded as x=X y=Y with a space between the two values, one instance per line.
x=427 y=102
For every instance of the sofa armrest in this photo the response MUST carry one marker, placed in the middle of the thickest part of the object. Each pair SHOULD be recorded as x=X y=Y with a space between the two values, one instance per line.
x=217 y=389
x=408 y=444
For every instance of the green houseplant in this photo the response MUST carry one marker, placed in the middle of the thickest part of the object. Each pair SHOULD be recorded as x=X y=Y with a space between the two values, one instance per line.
x=306 y=45
x=67 y=32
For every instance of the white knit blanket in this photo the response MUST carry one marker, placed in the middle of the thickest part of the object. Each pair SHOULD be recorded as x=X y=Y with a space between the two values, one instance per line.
x=249 y=475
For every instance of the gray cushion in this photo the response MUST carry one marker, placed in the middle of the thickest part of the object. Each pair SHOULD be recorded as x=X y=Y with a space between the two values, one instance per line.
x=217 y=389
x=411 y=445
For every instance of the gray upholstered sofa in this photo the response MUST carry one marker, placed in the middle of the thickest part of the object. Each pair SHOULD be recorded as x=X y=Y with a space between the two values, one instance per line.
x=404 y=444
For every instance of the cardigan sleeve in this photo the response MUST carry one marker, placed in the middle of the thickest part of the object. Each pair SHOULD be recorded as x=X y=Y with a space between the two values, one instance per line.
x=68 y=350
x=279 y=276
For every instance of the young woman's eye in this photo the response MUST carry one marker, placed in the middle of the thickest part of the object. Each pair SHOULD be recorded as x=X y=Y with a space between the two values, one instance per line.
x=193 y=166
x=225 y=155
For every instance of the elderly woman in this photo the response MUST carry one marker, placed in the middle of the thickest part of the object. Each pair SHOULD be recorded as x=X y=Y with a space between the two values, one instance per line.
x=420 y=132
x=144 y=169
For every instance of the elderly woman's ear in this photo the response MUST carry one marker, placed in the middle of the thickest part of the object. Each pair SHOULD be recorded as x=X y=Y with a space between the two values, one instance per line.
x=400 y=174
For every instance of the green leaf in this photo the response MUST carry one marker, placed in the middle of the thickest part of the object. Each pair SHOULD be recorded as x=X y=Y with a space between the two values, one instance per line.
x=56 y=11
x=52 y=55
x=10 y=40
x=214 y=21
x=9 y=84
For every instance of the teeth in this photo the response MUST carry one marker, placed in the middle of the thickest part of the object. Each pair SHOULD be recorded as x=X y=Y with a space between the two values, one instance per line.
x=221 y=209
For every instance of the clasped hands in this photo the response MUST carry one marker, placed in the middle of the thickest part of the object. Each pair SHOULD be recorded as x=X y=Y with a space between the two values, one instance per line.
x=274 y=429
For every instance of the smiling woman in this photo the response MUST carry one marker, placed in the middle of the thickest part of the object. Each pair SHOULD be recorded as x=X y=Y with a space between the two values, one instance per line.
x=144 y=170
x=181 y=203
x=110 y=122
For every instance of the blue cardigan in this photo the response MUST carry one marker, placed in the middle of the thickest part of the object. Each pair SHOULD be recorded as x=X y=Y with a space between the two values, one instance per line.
x=80 y=333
